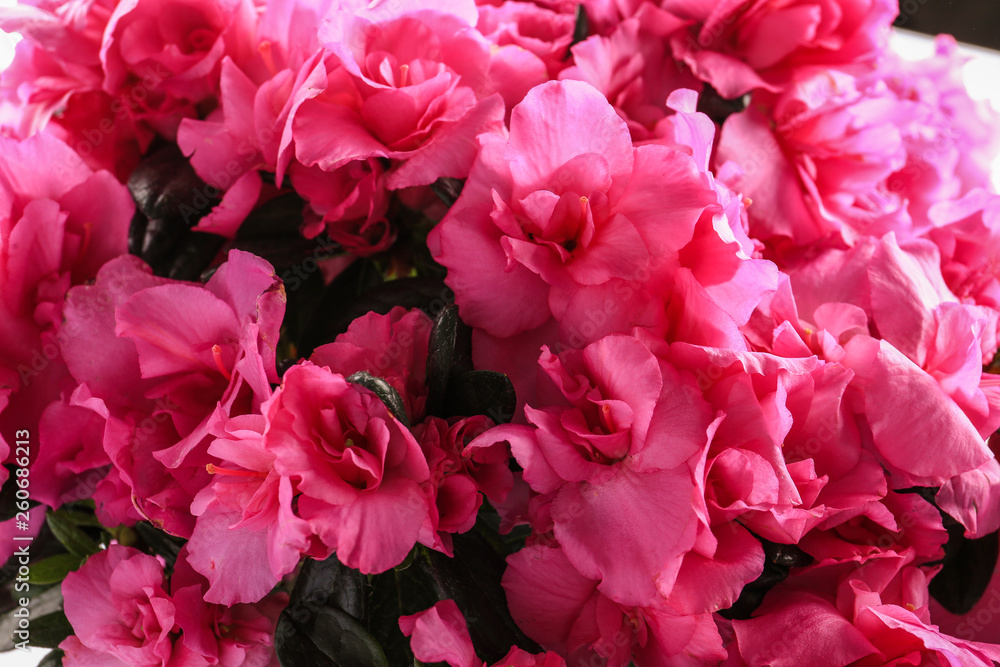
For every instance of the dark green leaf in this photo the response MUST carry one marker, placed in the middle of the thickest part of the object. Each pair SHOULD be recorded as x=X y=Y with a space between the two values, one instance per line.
x=719 y=108
x=448 y=189
x=330 y=583
x=965 y=574
x=487 y=393
x=53 y=659
x=193 y=255
x=329 y=637
x=159 y=542
x=53 y=569
x=340 y=307
x=581 y=29
x=281 y=216
x=8 y=497
x=399 y=593
x=49 y=630
x=81 y=517
x=171 y=198
x=384 y=391
x=778 y=561
x=472 y=580
x=70 y=535
x=441 y=357
x=330 y=318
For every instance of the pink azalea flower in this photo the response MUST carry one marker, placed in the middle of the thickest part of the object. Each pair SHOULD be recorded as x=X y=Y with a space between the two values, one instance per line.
x=562 y=215
x=350 y=203
x=55 y=83
x=180 y=43
x=865 y=612
x=739 y=47
x=162 y=357
x=619 y=444
x=122 y=614
x=565 y=612
x=391 y=346
x=635 y=70
x=785 y=457
x=439 y=634
x=540 y=31
x=428 y=65
x=920 y=138
x=59 y=222
x=357 y=471
x=967 y=234
x=462 y=472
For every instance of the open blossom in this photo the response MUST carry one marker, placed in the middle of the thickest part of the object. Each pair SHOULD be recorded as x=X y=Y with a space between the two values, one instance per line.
x=184 y=53
x=428 y=65
x=565 y=232
x=357 y=469
x=562 y=213
x=840 y=155
x=564 y=611
x=324 y=468
x=391 y=346
x=866 y=612
x=463 y=469
x=739 y=47
x=619 y=444
x=125 y=612
x=635 y=70
x=55 y=83
x=59 y=222
x=160 y=357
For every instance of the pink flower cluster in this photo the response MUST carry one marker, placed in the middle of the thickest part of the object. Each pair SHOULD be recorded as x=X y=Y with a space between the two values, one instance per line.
x=753 y=354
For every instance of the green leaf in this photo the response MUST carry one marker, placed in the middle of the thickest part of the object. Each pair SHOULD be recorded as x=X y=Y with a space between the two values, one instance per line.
x=487 y=393
x=384 y=391
x=472 y=580
x=966 y=571
x=329 y=637
x=70 y=535
x=330 y=583
x=81 y=517
x=53 y=659
x=448 y=189
x=48 y=631
x=441 y=357
x=399 y=593
x=581 y=29
x=159 y=542
x=54 y=569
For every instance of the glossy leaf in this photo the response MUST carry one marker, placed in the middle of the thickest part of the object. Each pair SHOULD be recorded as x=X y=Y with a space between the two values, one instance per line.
x=384 y=391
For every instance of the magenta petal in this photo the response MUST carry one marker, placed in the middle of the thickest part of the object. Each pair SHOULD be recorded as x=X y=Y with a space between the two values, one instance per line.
x=375 y=531
x=174 y=328
x=234 y=561
x=916 y=427
x=558 y=121
x=618 y=531
x=439 y=634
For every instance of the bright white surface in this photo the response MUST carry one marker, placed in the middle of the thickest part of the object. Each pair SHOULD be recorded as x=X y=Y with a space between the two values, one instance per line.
x=982 y=72
x=29 y=658
x=7 y=41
